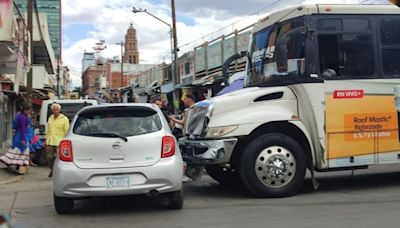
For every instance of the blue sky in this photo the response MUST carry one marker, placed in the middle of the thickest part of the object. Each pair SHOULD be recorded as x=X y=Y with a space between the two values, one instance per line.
x=76 y=32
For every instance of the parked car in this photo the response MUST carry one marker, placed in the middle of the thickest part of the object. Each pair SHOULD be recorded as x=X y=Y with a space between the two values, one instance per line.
x=68 y=107
x=118 y=149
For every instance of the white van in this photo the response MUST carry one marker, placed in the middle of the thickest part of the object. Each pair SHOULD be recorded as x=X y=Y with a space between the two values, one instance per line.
x=68 y=107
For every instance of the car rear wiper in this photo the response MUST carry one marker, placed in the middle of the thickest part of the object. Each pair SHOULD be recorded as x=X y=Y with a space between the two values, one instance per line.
x=108 y=135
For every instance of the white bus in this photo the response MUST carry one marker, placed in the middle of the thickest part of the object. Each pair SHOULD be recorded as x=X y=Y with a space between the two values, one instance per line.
x=322 y=92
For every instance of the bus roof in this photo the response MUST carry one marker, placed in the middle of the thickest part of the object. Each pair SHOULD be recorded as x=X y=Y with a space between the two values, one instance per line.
x=292 y=12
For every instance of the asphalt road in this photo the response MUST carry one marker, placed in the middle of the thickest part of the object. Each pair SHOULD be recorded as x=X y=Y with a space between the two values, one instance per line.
x=369 y=198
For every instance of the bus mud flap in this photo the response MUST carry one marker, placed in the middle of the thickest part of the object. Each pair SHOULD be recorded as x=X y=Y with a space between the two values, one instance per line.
x=314 y=181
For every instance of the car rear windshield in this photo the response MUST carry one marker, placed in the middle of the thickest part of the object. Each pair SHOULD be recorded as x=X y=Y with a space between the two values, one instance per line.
x=117 y=121
x=68 y=109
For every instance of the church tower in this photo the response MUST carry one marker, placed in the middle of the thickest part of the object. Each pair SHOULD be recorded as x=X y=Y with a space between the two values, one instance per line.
x=131 y=52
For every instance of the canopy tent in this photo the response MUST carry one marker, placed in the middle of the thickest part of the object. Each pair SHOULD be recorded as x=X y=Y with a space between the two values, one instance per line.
x=236 y=85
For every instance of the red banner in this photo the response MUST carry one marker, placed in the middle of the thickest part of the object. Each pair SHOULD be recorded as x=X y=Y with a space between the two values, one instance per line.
x=343 y=94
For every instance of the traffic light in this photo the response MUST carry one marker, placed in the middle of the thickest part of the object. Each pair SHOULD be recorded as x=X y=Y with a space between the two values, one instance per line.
x=396 y=2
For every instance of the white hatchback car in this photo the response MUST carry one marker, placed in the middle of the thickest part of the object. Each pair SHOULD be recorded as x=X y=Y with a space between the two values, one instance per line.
x=118 y=149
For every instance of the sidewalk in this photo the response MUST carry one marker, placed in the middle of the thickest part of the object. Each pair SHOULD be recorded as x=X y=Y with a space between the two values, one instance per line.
x=7 y=177
x=20 y=191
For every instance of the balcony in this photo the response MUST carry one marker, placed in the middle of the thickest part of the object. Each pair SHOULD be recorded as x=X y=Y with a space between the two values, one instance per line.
x=12 y=58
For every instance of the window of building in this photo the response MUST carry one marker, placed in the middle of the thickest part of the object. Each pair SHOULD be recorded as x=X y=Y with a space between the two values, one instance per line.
x=187 y=68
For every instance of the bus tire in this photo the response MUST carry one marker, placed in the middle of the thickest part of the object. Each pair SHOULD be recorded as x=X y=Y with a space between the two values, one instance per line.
x=273 y=165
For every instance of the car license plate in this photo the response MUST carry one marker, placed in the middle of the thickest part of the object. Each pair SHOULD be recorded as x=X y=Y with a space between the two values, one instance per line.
x=117 y=182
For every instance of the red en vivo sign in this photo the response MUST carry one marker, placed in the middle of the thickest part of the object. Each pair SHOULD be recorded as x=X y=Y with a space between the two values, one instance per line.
x=342 y=94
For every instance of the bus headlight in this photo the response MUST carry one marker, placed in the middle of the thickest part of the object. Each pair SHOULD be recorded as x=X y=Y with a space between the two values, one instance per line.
x=214 y=132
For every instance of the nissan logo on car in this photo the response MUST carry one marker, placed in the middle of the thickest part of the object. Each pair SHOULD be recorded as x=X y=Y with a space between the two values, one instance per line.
x=116 y=145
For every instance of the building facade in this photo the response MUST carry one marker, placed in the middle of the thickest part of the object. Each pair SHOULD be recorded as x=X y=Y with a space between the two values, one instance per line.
x=131 y=51
x=131 y=71
x=52 y=9
x=91 y=80
x=87 y=60
x=15 y=63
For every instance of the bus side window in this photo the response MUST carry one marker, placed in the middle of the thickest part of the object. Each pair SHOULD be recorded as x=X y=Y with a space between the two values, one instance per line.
x=359 y=54
x=350 y=55
x=346 y=48
x=329 y=55
x=390 y=45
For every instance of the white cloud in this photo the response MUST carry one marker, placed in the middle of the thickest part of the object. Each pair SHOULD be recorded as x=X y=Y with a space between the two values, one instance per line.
x=111 y=19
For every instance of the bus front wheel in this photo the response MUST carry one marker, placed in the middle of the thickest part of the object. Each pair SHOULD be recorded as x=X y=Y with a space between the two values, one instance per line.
x=273 y=165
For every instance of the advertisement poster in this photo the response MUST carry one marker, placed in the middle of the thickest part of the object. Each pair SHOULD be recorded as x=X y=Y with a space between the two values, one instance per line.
x=360 y=124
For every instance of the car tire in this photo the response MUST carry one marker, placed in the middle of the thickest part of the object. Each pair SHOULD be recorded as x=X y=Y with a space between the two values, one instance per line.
x=63 y=205
x=223 y=176
x=273 y=165
x=175 y=199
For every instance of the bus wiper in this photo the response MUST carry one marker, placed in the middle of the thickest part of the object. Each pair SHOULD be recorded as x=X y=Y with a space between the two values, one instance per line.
x=108 y=135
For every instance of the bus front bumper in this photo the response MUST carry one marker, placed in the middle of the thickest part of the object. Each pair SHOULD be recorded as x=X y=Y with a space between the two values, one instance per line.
x=207 y=152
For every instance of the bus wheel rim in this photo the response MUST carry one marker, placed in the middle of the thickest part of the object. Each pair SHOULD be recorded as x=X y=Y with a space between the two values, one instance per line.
x=275 y=166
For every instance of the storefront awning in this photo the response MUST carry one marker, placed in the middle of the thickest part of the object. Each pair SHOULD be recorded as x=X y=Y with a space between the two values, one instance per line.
x=167 y=88
x=206 y=80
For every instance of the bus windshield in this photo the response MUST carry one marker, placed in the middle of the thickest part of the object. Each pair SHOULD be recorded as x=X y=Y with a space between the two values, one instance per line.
x=262 y=61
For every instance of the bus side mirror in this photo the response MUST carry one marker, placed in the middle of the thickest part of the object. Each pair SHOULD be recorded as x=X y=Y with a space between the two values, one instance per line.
x=281 y=48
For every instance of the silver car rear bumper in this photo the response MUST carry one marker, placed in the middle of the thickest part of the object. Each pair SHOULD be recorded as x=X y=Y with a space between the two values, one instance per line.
x=71 y=181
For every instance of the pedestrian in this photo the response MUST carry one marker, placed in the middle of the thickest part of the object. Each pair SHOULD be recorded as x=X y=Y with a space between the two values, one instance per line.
x=17 y=157
x=188 y=100
x=35 y=144
x=191 y=173
x=160 y=104
x=57 y=127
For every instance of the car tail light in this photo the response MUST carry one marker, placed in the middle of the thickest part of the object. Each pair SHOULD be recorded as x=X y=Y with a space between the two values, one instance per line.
x=65 y=151
x=168 y=146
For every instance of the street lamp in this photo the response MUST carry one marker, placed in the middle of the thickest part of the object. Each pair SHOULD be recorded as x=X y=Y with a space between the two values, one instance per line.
x=174 y=49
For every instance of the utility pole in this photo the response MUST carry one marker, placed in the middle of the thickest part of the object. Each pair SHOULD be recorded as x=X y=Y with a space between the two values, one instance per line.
x=30 y=73
x=122 y=63
x=175 y=63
